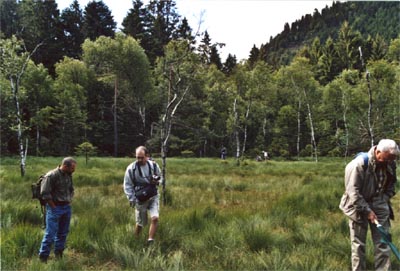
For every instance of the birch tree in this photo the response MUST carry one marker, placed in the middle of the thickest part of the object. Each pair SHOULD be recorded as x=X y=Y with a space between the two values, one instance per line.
x=13 y=62
x=302 y=80
x=40 y=101
x=176 y=73
x=122 y=64
x=367 y=77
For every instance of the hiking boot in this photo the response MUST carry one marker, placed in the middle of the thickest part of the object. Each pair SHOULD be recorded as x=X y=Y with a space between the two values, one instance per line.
x=43 y=258
x=58 y=254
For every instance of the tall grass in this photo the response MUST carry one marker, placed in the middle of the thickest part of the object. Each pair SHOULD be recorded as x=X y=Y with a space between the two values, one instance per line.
x=256 y=216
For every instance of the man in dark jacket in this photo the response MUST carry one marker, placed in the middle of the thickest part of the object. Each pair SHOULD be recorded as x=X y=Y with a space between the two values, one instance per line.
x=57 y=189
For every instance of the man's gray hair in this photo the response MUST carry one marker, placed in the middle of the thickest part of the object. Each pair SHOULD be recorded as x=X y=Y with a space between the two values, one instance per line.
x=388 y=145
x=68 y=161
x=144 y=149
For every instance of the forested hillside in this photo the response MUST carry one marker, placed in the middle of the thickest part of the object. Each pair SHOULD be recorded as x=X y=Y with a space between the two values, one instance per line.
x=370 y=18
x=69 y=78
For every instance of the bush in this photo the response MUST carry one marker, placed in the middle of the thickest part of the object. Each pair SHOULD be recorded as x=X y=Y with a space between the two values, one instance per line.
x=187 y=154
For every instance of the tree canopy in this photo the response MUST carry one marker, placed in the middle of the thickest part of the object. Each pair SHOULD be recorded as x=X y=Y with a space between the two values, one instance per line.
x=304 y=93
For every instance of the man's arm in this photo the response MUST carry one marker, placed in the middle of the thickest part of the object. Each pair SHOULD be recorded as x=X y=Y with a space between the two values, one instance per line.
x=45 y=190
x=354 y=182
x=128 y=184
x=390 y=190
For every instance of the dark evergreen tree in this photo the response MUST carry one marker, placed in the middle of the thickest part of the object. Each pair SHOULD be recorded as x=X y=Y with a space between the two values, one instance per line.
x=134 y=23
x=379 y=48
x=155 y=25
x=163 y=20
x=40 y=24
x=8 y=18
x=215 y=58
x=204 y=48
x=98 y=21
x=254 y=56
x=184 y=31
x=347 y=46
x=229 y=65
x=72 y=22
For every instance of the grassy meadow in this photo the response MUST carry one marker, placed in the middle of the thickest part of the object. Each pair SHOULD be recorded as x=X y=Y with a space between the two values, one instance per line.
x=271 y=215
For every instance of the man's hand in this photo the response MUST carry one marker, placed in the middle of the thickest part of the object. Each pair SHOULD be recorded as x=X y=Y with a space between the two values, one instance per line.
x=132 y=204
x=372 y=217
x=52 y=204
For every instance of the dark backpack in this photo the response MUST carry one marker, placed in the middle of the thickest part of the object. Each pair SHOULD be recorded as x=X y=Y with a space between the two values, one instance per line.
x=36 y=195
x=36 y=190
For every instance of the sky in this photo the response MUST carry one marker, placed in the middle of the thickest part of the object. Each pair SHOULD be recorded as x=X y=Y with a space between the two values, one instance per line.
x=239 y=24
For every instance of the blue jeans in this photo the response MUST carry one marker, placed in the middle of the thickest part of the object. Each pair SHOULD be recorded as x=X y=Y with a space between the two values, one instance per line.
x=57 y=228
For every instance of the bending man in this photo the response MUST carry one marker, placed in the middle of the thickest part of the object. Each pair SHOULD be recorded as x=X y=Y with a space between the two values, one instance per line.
x=370 y=183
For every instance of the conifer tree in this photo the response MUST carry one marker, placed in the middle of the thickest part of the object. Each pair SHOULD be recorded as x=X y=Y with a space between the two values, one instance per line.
x=72 y=22
x=134 y=23
x=8 y=18
x=215 y=58
x=254 y=54
x=40 y=24
x=98 y=21
x=230 y=64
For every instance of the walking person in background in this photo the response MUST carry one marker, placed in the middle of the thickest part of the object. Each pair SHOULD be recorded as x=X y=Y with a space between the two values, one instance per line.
x=266 y=157
x=140 y=186
x=223 y=152
x=57 y=189
x=370 y=183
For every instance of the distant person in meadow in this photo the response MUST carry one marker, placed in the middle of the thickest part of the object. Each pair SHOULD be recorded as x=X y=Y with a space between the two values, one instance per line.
x=58 y=190
x=140 y=186
x=223 y=153
x=370 y=183
x=266 y=157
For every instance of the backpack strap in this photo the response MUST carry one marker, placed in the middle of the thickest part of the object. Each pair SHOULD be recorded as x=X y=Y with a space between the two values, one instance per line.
x=365 y=158
x=154 y=168
x=136 y=165
x=132 y=173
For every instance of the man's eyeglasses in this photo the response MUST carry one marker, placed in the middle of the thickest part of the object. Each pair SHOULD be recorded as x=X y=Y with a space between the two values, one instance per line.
x=139 y=157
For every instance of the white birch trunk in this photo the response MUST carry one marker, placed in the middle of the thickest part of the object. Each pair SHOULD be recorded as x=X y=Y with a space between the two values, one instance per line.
x=264 y=128
x=370 y=126
x=142 y=113
x=236 y=131
x=14 y=86
x=298 y=129
x=14 y=81
x=346 y=129
x=245 y=128
x=314 y=144
x=115 y=118
x=166 y=126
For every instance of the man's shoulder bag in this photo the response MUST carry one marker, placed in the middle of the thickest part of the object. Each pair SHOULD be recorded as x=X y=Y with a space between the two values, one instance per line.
x=148 y=191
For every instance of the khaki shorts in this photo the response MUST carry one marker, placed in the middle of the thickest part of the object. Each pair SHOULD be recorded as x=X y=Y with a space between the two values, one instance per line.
x=152 y=205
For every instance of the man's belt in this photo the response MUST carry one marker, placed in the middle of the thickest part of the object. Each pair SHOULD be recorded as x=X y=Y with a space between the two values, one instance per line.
x=61 y=203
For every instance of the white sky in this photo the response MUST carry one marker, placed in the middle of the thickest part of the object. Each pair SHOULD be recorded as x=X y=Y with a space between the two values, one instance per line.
x=238 y=23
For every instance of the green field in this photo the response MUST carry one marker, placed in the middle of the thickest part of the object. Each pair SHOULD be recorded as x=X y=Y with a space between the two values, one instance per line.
x=256 y=216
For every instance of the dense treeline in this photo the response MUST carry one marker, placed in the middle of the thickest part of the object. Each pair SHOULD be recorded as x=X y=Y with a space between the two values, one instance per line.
x=70 y=78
